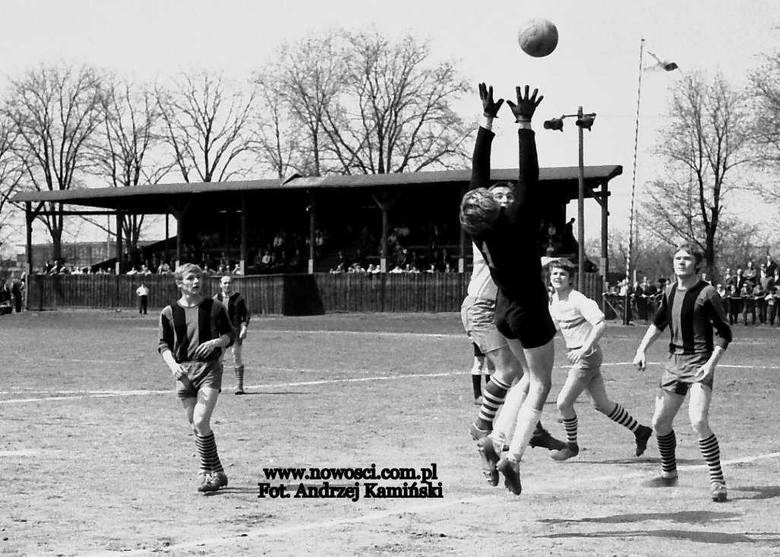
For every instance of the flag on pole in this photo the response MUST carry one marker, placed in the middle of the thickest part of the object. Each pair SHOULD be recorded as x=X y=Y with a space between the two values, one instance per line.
x=661 y=65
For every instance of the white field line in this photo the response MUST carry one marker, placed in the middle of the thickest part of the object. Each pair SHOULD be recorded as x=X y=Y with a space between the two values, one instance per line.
x=462 y=336
x=109 y=394
x=76 y=394
x=287 y=529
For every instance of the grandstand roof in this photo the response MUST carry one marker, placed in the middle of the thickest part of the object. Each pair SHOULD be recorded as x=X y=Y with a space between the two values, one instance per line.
x=146 y=198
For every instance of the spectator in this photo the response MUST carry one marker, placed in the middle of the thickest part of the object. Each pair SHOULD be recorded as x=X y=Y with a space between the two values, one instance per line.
x=770 y=265
x=724 y=298
x=645 y=301
x=164 y=268
x=773 y=300
x=748 y=303
x=750 y=272
x=132 y=271
x=764 y=285
x=16 y=294
x=143 y=298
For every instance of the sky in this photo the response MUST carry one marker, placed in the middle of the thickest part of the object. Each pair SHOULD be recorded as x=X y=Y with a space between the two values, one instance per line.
x=594 y=66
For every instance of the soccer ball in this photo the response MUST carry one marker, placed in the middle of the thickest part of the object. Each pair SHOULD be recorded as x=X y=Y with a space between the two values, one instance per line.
x=538 y=37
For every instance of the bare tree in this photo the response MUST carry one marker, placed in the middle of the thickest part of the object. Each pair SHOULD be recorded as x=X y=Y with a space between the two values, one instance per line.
x=278 y=139
x=55 y=112
x=207 y=126
x=396 y=113
x=310 y=76
x=124 y=152
x=10 y=170
x=706 y=140
x=369 y=105
x=765 y=93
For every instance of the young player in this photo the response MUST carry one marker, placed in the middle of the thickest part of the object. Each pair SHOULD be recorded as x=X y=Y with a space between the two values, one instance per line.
x=508 y=239
x=691 y=309
x=582 y=324
x=193 y=333
x=239 y=318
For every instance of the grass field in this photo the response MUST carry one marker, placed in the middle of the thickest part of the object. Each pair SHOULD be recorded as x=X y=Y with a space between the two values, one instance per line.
x=97 y=457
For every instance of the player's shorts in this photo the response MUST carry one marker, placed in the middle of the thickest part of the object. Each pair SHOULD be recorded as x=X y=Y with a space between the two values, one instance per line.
x=679 y=372
x=529 y=323
x=199 y=375
x=478 y=316
x=589 y=365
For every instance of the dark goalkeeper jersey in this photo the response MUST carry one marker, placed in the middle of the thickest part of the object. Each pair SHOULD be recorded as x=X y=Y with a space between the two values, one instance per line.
x=695 y=318
x=511 y=248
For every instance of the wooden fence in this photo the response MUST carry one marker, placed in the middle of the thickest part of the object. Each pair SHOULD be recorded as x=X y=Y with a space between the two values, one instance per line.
x=292 y=294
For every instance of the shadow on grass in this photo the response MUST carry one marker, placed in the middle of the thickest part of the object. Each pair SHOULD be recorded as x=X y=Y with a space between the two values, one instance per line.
x=707 y=536
x=682 y=517
x=761 y=492
x=636 y=460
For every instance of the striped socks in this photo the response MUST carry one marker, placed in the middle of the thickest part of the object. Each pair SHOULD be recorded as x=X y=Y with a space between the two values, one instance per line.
x=711 y=452
x=207 y=451
x=622 y=417
x=492 y=398
x=570 y=426
x=666 y=446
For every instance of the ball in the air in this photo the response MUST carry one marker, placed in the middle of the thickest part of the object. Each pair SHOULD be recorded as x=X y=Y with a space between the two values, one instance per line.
x=538 y=37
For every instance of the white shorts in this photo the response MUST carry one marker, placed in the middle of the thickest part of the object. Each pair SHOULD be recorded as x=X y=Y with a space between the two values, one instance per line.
x=478 y=315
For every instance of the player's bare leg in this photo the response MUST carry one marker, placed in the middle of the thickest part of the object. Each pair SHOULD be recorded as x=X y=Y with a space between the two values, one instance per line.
x=507 y=370
x=615 y=412
x=540 y=362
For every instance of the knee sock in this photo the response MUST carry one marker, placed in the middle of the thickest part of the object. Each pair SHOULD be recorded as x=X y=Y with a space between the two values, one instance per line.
x=476 y=385
x=504 y=424
x=207 y=451
x=492 y=398
x=570 y=426
x=711 y=452
x=527 y=421
x=622 y=417
x=666 y=446
x=240 y=376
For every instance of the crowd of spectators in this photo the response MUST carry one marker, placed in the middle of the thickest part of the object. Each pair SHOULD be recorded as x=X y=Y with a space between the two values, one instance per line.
x=749 y=295
x=752 y=294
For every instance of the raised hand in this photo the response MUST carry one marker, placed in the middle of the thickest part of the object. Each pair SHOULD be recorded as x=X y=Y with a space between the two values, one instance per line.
x=526 y=105
x=489 y=107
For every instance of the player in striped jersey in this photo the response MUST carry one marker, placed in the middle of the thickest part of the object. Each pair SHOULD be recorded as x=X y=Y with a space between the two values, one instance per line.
x=582 y=324
x=194 y=331
x=691 y=309
x=239 y=318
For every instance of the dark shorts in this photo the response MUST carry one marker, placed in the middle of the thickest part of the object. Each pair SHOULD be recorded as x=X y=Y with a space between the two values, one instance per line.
x=679 y=372
x=199 y=375
x=530 y=323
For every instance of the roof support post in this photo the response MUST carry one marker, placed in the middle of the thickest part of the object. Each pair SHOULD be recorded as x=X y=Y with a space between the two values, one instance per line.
x=179 y=227
x=384 y=203
x=312 y=227
x=461 y=239
x=244 y=250
x=118 y=264
x=29 y=217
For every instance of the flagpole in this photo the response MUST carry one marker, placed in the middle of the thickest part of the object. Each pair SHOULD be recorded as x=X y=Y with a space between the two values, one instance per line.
x=626 y=312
